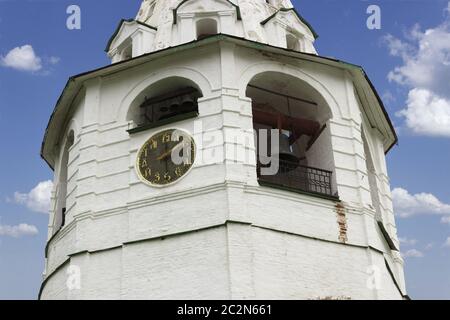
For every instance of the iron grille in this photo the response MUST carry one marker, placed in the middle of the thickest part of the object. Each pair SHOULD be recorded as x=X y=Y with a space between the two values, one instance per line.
x=298 y=177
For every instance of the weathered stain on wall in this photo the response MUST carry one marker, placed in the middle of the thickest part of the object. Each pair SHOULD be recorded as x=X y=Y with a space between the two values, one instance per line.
x=342 y=222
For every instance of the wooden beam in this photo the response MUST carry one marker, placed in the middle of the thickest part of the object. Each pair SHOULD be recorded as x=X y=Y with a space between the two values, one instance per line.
x=283 y=95
x=315 y=137
x=299 y=125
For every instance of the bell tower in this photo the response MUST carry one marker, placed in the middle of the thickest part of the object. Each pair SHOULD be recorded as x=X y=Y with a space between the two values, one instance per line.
x=220 y=157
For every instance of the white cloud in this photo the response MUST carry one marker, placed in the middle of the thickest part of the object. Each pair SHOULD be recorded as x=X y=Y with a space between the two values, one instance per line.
x=397 y=47
x=413 y=253
x=18 y=231
x=426 y=72
x=447 y=243
x=54 y=60
x=407 y=242
x=427 y=113
x=22 y=58
x=445 y=219
x=406 y=204
x=388 y=97
x=38 y=199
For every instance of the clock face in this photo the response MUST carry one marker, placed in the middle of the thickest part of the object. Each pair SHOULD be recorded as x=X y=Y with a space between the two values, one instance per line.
x=166 y=157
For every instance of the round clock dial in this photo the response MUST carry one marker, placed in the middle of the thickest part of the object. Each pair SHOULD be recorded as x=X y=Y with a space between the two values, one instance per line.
x=166 y=157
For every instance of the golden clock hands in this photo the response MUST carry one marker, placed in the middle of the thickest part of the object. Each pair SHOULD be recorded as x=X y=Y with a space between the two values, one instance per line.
x=169 y=152
x=165 y=155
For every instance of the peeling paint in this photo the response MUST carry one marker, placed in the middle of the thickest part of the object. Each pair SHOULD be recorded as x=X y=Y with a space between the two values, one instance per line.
x=342 y=222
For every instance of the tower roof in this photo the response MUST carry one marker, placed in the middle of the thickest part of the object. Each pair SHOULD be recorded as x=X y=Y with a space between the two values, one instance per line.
x=170 y=23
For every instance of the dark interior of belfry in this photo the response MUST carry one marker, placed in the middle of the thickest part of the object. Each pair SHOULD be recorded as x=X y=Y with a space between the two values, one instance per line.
x=300 y=115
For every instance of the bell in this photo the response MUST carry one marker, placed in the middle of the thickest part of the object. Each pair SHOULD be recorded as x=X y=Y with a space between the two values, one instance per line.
x=285 y=152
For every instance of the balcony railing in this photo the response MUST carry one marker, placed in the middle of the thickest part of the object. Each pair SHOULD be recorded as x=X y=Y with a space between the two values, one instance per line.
x=299 y=178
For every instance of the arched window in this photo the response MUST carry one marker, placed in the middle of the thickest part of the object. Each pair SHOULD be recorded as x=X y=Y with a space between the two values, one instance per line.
x=127 y=52
x=61 y=188
x=169 y=100
x=151 y=9
x=373 y=184
x=292 y=42
x=206 y=27
x=300 y=114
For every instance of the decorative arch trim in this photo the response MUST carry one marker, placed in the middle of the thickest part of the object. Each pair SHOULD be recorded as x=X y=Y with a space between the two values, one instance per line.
x=192 y=75
x=119 y=28
x=263 y=67
x=238 y=10
x=298 y=16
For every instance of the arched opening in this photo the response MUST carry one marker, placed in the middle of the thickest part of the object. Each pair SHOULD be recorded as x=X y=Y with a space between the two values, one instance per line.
x=61 y=188
x=300 y=115
x=127 y=52
x=206 y=27
x=292 y=42
x=372 y=176
x=151 y=9
x=169 y=100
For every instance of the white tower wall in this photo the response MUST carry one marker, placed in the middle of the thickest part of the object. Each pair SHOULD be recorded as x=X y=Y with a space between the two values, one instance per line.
x=217 y=233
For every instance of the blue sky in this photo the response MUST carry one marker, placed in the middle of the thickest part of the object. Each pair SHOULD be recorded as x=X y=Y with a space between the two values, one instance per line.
x=408 y=60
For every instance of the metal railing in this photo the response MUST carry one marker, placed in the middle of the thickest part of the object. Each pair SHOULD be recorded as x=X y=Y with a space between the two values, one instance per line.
x=297 y=177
